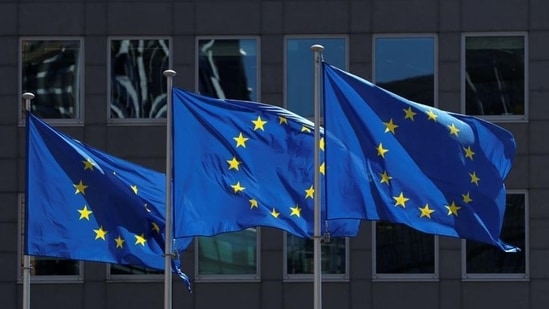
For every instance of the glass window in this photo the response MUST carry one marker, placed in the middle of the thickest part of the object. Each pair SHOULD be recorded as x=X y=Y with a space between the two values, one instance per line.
x=133 y=272
x=402 y=250
x=52 y=70
x=299 y=84
x=487 y=261
x=300 y=257
x=405 y=65
x=46 y=268
x=494 y=78
x=228 y=68
x=228 y=254
x=137 y=85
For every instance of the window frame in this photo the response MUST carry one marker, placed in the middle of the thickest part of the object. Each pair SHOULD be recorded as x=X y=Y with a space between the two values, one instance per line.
x=20 y=256
x=132 y=277
x=343 y=277
x=287 y=37
x=503 y=276
x=496 y=118
x=80 y=108
x=257 y=39
x=229 y=277
x=133 y=121
x=434 y=36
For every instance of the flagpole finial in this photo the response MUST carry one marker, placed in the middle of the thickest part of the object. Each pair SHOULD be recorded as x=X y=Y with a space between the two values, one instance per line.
x=169 y=73
x=28 y=96
x=317 y=48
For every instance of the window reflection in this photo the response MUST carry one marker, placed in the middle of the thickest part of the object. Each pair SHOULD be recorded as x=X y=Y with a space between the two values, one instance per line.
x=494 y=75
x=483 y=258
x=51 y=71
x=138 y=87
x=117 y=269
x=406 y=66
x=227 y=68
x=300 y=70
x=403 y=250
x=228 y=254
x=300 y=256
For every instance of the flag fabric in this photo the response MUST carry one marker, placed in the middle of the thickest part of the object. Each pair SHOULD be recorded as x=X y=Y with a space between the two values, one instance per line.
x=396 y=160
x=84 y=204
x=240 y=164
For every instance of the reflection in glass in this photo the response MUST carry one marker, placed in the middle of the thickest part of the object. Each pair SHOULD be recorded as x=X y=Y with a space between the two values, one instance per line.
x=300 y=256
x=51 y=70
x=406 y=66
x=138 y=87
x=228 y=254
x=483 y=258
x=117 y=269
x=403 y=250
x=300 y=70
x=227 y=68
x=494 y=75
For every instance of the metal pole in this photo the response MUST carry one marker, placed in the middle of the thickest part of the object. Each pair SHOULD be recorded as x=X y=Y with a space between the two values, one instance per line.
x=27 y=96
x=317 y=49
x=168 y=241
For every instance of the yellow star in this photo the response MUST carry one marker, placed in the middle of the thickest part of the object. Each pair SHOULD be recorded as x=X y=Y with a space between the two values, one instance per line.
x=305 y=129
x=274 y=213
x=400 y=200
x=240 y=140
x=381 y=151
x=119 y=242
x=385 y=177
x=466 y=198
x=432 y=116
x=296 y=211
x=237 y=188
x=409 y=113
x=134 y=188
x=80 y=188
x=259 y=123
x=85 y=213
x=233 y=163
x=469 y=152
x=321 y=142
x=323 y=168
x=426 y=211
x=100 y=233
x=282 y=120
x=453 y=130
x=390 y=126
x=253 y=203
x=474 y=178
x=140 y=240
x=155 y=227
x=453 y=209
x=88 y=164
x=309 y=192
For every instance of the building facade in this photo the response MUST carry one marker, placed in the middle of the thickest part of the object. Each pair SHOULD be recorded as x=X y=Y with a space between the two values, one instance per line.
x=96 y=70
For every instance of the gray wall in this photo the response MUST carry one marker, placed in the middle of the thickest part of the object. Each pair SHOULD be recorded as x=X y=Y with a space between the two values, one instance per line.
x=183 y=20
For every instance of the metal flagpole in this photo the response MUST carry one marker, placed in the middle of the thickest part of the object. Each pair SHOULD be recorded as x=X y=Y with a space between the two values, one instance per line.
x=317 y=49
x=27 y=96
x=168 y=254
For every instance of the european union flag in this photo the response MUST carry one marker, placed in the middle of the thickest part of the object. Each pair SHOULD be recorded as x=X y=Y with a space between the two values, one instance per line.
x=400 y=161
x=83 y=204
x=243 y=164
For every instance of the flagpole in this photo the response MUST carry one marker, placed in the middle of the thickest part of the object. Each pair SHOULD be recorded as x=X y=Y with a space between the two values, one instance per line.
x=27 y=96
x=317 y=49
x=168 y=254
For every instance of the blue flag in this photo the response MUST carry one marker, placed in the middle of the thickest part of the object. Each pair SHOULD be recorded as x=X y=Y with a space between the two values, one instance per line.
x=243 y=164
x=403 y=162
x=83 y=204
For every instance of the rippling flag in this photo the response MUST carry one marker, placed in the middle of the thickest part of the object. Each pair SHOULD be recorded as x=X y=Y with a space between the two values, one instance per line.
x=243 y=164
x=396 y=160
x=84 y=204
